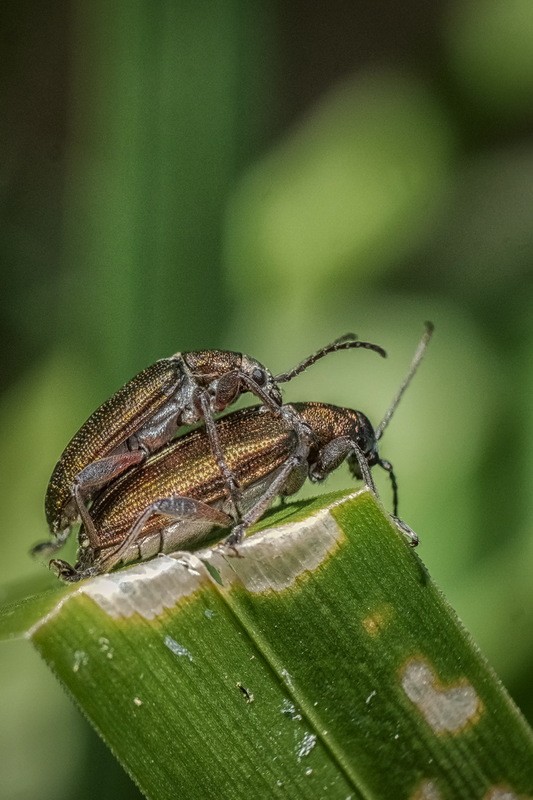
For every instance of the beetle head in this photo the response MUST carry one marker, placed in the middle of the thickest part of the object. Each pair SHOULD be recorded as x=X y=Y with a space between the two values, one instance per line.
x=248 y=376
x=367 y=440
x=364 y=437
x=256 y=378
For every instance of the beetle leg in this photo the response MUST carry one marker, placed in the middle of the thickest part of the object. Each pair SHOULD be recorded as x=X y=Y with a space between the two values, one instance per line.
x=289 y=477
x=387 y=466
x=294 y=482
x=275 y=488
x=408 y=532
x=179 y=508
x=364 y=468
x=92 y=477
x=226 y=390
x=66 y=572
x=98 y=474
x=85 y=516
x=259 y=392
x=231 y=486
x=333 y=454
x=330 y=456
x=162 y=425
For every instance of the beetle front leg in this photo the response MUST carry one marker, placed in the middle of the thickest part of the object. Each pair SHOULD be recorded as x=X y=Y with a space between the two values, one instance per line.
x=406 y=530
x=268 y=401
x=225 y=390
x=334 y=453
x=330 y=456
x=364 y=469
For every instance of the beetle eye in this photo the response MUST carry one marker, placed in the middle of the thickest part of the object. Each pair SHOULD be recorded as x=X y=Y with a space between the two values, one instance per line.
x=259 y=376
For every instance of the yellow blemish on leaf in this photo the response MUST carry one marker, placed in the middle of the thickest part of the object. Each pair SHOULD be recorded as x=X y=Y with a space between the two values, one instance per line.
x=427 y=790
x=446 y=708
x=376 y=622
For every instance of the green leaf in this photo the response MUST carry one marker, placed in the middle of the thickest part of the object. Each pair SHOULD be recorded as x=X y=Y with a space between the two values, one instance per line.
x=321 y=663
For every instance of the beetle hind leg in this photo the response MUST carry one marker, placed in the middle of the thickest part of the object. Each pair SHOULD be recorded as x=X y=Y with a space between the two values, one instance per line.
x=66 y=572
x=101 y=472
x=178 y=508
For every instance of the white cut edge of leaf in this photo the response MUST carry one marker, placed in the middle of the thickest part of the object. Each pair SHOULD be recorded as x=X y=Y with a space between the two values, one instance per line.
x=270 y=560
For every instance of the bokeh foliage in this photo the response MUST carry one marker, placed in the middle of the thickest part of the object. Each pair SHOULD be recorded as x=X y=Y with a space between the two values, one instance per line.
x=263 y=178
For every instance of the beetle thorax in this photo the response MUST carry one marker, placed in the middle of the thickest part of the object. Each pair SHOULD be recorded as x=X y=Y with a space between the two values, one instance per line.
x=208 y=365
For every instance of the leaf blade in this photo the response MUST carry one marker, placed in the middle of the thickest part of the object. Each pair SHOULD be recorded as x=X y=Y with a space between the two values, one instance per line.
x=297 y=670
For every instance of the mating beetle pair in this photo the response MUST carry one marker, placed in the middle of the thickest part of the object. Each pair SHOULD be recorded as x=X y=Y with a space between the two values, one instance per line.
x=145 y=414
x=180 y=493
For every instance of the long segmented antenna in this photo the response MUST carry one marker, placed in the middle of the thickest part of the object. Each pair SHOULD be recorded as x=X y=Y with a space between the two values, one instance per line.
x=346 y=342
x=415 y=363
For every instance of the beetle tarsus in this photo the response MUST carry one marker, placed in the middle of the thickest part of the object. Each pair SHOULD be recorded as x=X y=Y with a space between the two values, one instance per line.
x=403 y=527
x=235 y=538
x=66 y=572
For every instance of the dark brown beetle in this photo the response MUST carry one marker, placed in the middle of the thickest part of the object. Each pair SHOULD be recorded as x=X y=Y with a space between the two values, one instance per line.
x=176 y=498
x=145 y=414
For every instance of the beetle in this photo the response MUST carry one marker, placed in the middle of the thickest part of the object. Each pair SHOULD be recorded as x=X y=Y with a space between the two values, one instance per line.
x=144 y=415
x=176 y=498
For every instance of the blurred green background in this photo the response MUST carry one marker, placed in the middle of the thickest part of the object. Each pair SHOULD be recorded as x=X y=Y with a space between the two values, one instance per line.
x=263 y=177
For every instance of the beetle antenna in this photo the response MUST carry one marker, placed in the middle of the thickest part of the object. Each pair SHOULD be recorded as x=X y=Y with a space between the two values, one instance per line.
x=415 y=363
x=346 y=342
